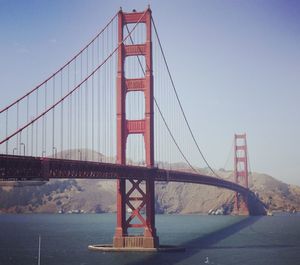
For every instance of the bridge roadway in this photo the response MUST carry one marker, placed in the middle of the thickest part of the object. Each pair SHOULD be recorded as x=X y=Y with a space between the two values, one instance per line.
x=26 y=168
x=22 y=168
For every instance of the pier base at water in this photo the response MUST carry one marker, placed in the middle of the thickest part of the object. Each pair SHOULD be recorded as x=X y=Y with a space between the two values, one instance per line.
x=135 y=242
x=111 y=248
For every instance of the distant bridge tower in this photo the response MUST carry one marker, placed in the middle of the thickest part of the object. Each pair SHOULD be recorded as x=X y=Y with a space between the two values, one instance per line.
x=136 y=198
x=241 y=172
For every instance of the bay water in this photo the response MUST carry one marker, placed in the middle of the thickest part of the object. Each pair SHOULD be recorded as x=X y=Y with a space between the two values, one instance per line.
x=227 y=240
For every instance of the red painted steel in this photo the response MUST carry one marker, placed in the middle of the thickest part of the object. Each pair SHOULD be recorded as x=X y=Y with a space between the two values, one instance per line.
x=127 y=127
x=135 y=126
x=135 y=84
x=133 y=50
x=241 y=172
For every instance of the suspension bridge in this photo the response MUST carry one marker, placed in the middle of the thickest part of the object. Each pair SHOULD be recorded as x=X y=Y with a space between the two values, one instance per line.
x=113 y=112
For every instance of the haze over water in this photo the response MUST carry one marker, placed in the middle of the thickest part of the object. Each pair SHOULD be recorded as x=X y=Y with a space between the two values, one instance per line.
x=208 y=240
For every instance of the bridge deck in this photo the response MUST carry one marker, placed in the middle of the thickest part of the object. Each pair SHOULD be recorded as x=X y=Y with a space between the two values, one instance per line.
x=22 y=168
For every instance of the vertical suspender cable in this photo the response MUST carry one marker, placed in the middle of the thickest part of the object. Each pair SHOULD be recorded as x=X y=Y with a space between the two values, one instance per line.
x=111 y=80
x=81 y=110
x=53 y=120
x=105 y=99
x=32 y=139
x=71 y=121
x=17 y=139
x=27 y=131
x=75 y=114
x=86 y=106
x=45 y=129
x=44 y=123
x=61 y=117
x=6 y=130
x=98 y=105
x=36 y=128
x=69 y=110
x=92 y=103
x=108 y=92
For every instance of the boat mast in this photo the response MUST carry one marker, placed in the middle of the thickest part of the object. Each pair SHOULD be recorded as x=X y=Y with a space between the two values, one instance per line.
x=39 y=256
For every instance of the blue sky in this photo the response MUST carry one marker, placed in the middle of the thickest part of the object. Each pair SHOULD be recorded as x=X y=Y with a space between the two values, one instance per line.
x=236 y=65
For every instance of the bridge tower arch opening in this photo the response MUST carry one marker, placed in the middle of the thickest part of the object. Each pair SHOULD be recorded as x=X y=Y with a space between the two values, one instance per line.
x=125 y=127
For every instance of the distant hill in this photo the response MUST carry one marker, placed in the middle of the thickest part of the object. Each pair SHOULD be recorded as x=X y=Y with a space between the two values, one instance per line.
x=95 y=196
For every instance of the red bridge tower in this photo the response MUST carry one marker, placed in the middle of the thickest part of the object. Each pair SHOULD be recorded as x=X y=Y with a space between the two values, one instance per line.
x=126 y=197
x=240 y=172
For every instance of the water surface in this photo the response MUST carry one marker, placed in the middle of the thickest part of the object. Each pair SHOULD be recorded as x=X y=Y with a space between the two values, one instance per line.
x=211 y=239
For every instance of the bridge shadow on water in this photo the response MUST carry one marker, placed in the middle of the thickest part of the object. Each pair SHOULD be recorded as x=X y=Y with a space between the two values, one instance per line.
x=193 y=247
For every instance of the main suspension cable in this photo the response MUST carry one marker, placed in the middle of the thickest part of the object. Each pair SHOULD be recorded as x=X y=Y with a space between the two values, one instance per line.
x=74 y=89
x=61 y=68
x=229 y=154
x=160 y=112
x=179 y=102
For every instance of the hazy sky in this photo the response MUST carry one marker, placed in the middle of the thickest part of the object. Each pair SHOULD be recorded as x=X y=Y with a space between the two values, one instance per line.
x=236 y=65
